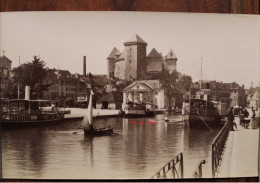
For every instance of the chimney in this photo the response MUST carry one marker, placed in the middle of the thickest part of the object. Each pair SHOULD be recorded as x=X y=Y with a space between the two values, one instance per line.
x=27 y=92
x=84 y=65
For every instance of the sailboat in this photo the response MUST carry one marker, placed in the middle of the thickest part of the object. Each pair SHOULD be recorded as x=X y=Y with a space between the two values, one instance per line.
x=87 y=122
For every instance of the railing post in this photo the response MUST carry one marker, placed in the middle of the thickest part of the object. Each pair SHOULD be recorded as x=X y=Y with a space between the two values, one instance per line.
x=197 y=173
x=200 y=170
x=181 y=164
x=173 y=168
x=213 y=159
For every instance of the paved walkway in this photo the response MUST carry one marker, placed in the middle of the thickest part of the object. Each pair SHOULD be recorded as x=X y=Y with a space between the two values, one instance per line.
x=240 y=158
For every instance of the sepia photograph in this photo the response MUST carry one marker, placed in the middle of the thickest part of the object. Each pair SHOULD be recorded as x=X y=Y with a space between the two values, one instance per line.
x=129 y=95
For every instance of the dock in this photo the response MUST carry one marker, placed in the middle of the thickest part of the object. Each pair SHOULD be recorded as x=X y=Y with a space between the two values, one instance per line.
x=78 y=113
x=240 y=158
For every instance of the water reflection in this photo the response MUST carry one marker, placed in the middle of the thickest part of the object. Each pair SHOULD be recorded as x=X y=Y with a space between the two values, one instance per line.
x=138 y=150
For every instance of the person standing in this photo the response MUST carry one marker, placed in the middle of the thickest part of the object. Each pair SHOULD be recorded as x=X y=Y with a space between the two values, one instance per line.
x=254 y=122
x=231 y=119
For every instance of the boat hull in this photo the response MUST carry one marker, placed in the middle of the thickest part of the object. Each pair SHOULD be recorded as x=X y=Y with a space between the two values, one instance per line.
x=137 y=113
x=98 y=132
x=8 y=124
x=30 y=120
x=199 y=121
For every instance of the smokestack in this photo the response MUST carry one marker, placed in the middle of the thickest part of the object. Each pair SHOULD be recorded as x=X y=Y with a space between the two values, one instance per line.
x=84 y=65
x=27 y=92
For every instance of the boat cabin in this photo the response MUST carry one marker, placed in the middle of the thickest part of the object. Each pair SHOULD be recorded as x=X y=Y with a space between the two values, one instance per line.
x=22 y=106
x=200 y=107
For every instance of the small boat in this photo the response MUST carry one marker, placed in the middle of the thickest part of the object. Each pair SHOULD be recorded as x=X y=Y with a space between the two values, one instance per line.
x=87 y=123
x=99 y=132
x=21 y=112
x=172 y=117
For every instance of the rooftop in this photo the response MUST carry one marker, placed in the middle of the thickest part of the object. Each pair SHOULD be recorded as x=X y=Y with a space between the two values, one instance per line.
x=135 y=39
x=171 y=55
x=5 y=59
x=113 y=96
x=154 y=54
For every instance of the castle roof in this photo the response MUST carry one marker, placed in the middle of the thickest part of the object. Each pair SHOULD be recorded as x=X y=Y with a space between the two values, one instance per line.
x=113 y=96
x=154 y=54
x=171 y=55
x=136 y=39
x=113 y=53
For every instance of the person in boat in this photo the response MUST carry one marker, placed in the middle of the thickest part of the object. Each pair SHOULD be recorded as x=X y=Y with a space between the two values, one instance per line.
x=231 y=119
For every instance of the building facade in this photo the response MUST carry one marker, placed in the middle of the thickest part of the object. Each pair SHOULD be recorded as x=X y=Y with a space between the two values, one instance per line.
x=65 y=87
x=5 y=73
x=134 y=63
x=230 y=93
x=145 y=91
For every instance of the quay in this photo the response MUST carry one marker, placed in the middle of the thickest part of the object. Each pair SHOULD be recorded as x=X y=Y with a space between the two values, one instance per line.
x=78 y=113
x=240 y=157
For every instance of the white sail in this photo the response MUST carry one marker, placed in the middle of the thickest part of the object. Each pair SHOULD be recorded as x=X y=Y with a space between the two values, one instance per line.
x=90 y=109
x=88 y=117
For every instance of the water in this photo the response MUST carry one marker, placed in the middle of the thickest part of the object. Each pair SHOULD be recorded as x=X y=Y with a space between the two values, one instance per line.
x=137 y=151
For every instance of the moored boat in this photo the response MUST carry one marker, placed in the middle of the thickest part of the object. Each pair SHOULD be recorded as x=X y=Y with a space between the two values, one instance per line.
x=132 y=109
x=21 y=112
x=201 y=113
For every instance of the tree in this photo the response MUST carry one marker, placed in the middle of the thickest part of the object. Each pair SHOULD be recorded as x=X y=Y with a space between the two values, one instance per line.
x=169 y=82
x=10 y=91
x=32 y=74
x=185 y=81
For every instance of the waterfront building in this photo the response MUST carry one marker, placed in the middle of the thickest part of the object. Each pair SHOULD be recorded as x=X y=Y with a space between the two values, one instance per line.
x=254 y=100
x=65 y=87
x=110 y=100
x=152 y=91
x=230 y=93
x=134 y=64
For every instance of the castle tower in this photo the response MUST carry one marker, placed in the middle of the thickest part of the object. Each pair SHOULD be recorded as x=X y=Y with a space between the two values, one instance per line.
x=135 y=54
x=171 y=61
x=111 y=60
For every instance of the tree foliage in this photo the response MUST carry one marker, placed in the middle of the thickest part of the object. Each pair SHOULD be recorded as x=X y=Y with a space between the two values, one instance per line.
x=185 y=81
x=32 y=74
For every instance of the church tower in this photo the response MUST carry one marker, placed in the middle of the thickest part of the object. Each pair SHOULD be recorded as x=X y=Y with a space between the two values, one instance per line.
x=135 y=50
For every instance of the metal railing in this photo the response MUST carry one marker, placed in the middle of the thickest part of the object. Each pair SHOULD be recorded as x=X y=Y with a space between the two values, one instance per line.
x=197 y=173
x=218 y=147
x=172 y=169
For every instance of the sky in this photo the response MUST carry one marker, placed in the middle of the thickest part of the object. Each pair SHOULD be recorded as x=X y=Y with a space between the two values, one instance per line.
x=228 y=45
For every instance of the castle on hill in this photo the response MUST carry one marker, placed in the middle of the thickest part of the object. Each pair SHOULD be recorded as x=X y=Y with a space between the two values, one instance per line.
x=134 y=63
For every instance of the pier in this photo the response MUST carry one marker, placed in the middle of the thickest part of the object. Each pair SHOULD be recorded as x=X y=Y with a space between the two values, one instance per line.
x=240 y=157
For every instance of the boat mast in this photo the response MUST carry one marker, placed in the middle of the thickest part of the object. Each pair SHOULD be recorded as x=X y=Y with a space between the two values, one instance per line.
x=18 y=82
x=200 y=73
